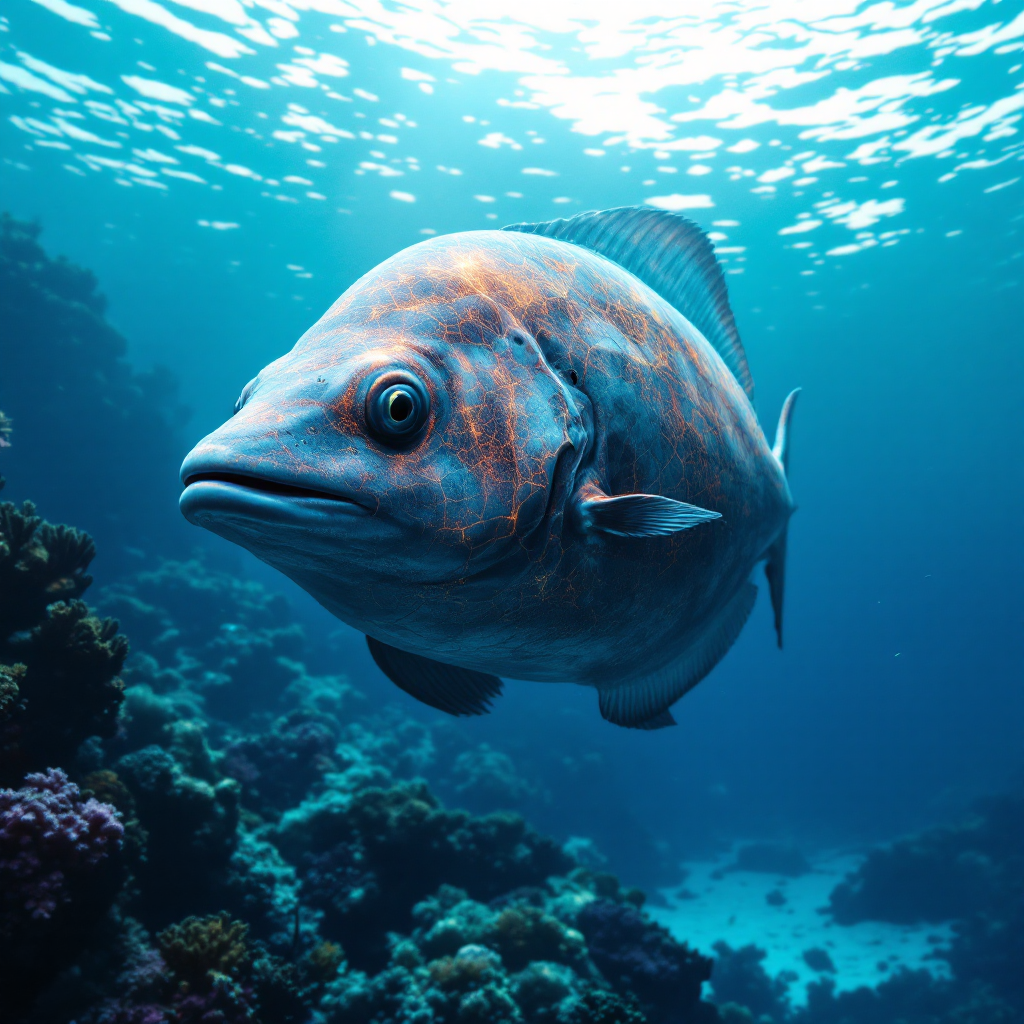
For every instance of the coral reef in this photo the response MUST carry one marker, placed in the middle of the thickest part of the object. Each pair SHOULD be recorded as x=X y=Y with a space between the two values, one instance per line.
x=59 y=663
x=192 y=828
x=640 y=957
x=230 y=644
x=277 y=768
x=368 y=854
x=974 y=867
x=740 y=979
x=39 y=564
x=59 y=873
x=273 y=864
x=970 y=873
x=199 y=949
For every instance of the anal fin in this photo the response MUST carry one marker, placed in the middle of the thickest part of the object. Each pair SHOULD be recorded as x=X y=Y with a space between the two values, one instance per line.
x=659 y=721
x=459 y=691
x=775 y=571
x=644 y=703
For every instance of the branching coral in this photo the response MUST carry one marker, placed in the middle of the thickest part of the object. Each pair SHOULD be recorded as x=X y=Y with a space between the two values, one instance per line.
x=60 y=677
x=70 y=689
x=49 y=836
x=192 y=828
x=395 y=846
x=523 y=934
x=59 y=871
x=277 y=768
x=200 y=948
x=39 y=564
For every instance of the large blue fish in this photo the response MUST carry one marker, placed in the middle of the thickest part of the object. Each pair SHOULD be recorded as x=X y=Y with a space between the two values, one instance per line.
x=529 y=453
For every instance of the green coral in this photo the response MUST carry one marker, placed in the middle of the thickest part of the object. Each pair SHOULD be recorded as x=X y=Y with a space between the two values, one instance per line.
x=522 y=934
x=199 y=949
x=59 y=663
x=325 y=959
x=69 y=687
x=11 y=676
x=39 y=563
x=542 y=985
x=600 y=1007
x=472 y=967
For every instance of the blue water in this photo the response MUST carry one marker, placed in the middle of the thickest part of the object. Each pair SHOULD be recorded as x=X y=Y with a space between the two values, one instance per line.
x=228 y=168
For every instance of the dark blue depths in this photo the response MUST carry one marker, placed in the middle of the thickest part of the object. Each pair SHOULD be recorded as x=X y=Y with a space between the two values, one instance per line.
x=213 y=828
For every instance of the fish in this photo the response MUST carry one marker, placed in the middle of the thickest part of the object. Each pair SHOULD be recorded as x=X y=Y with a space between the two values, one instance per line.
x=527 y=453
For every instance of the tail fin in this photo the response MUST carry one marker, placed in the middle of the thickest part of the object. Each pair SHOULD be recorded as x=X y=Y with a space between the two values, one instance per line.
x=775 y=569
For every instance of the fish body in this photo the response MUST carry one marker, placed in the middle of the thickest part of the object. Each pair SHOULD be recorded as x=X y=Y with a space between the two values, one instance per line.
x=504 y=453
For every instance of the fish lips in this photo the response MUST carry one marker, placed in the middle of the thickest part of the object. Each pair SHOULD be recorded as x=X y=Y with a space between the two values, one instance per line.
x=232 y=503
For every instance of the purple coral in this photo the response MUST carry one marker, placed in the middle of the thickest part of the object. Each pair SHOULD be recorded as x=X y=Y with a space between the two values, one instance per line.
x=638 y=956
x=277 y=768
x=49 y=836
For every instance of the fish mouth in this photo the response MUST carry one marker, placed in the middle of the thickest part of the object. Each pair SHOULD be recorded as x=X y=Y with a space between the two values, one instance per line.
x=265 y=486
x=215 y=495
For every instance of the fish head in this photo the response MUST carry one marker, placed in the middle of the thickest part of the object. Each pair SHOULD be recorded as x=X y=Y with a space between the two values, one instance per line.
x=397 y=448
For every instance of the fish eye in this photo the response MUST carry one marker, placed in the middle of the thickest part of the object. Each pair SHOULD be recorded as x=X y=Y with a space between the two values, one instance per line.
x=397 y=407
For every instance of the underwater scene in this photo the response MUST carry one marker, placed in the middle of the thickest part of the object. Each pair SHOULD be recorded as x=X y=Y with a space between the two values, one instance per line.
x=512 y=512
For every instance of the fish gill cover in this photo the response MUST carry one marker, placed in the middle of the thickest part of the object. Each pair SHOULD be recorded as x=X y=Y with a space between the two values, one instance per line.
x=235 y=821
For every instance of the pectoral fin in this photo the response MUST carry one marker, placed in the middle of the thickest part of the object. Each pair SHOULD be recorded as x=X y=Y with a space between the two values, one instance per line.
x=641 y=515
x=459 y=691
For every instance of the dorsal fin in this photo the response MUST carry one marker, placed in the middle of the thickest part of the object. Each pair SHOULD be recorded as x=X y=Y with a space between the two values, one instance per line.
x=671 y=255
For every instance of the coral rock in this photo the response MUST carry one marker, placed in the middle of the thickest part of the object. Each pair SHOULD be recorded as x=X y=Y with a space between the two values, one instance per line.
x=59 y=872
x=638 y=956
